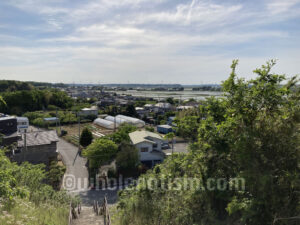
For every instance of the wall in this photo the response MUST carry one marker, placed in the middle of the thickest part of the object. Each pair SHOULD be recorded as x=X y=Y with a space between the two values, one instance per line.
x=38 y=154
x=144 y=156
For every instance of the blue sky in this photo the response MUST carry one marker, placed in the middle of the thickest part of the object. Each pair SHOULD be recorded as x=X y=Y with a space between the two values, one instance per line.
x=146 y=41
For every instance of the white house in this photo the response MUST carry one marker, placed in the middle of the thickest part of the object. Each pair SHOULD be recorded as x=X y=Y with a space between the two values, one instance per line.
x=93 y=111
x=149 y=145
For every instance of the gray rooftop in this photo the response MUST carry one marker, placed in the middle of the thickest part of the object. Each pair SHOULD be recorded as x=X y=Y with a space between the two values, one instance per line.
x=39 y=138
x=7 y=118
x=141 y=136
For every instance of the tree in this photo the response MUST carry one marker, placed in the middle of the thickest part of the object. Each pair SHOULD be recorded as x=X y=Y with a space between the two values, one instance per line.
x=100 y=151
x=170 y=100
x=122 y=135
x=170 y=136
x=130 y=111
x=127 y=159
x=55 y=174
x=86 y=137
x=2 y=102
x=251 y=134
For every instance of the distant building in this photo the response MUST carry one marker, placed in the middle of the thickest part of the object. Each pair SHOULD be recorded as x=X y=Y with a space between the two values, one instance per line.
x=149 y=145
x=93 y=111
x=164 y=129
x=142 y=112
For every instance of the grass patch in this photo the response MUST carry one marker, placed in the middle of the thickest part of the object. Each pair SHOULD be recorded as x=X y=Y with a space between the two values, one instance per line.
x=26 y=213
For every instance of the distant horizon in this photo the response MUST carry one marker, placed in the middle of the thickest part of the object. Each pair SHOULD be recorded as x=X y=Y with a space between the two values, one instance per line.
x=110 y=84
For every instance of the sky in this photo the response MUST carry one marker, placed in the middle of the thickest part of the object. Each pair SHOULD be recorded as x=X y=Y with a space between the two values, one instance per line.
x=146 y=41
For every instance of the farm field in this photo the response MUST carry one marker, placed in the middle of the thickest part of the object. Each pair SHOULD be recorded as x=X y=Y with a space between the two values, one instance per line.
x=73 y=137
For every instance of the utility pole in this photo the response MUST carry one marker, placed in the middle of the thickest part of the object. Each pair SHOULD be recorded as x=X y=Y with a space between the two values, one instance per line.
x=56 y=122
x=78 y=132
x=25 y=145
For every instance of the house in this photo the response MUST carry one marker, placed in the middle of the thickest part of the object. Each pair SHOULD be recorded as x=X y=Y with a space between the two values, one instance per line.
x=142 y=112
x=149 y=145
x=8 y=129
x=36 y=147
x=8 y=125
x=164 y=129
x=93 y=111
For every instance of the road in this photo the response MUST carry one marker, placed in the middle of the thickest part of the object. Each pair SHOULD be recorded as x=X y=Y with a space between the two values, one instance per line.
x=76 y=179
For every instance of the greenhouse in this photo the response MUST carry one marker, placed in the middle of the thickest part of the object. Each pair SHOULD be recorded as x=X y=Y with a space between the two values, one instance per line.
x=134 y=121
x=104 y=123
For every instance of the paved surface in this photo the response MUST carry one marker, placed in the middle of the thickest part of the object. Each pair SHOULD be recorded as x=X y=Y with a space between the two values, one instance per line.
x=178 y=147
x=76 y=179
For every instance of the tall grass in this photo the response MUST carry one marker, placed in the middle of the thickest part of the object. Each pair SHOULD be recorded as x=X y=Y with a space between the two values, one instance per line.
x=26 y=213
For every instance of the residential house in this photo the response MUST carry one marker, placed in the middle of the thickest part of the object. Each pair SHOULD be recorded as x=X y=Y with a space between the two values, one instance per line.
x=8 y=130
x=149 y=145
x=93 y=111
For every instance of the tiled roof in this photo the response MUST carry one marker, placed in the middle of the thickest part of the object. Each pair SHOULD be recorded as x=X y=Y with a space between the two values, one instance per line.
x=39 y=138
x=141 y=136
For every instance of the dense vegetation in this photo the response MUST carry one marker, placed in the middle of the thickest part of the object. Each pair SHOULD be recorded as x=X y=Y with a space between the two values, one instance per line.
x=252 y=134
x=25 y=198
x=13 y=85
x=19 y=102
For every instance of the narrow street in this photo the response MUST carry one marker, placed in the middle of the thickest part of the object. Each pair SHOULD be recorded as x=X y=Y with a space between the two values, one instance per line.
x=76 y=177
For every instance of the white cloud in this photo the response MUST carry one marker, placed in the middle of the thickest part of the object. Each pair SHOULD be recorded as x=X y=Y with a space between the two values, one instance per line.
x=202 y=12
x=281 y=6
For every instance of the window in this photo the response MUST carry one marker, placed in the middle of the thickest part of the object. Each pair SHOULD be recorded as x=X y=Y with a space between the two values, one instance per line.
x=144 y=149
x=155 y=145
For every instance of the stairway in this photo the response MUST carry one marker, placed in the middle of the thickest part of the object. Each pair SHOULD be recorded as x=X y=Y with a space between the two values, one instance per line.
x=88 y=217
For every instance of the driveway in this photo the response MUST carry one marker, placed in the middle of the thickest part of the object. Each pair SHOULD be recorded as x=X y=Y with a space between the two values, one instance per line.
x=178 y=148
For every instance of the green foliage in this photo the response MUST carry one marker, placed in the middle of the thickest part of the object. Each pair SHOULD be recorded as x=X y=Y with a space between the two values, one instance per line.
x=19 y=102
x=148 y=128
x=127 y=159
x=130 y=111
x=122 y=134
x=11 y=85
x=251 y=133
x=86 y=137
x=55 y=174
x=26 y=181
x=170 y=100
x=101 y=151
x=2 y=102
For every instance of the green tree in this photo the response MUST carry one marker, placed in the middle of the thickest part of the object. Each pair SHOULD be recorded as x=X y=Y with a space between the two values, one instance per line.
x=170 y=100
x=122 y=135
x=2 y=102
x=130 y=111
x=100 y=151
x=86 y=137
x=170 y=136
x=55 y=174
x=251 y=134
x=127 y=159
